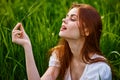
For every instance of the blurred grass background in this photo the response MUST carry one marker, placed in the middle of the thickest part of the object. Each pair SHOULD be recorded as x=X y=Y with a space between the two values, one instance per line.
x=42 y=21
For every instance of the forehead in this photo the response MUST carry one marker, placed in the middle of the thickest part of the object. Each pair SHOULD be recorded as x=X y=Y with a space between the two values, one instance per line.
x=73 y=11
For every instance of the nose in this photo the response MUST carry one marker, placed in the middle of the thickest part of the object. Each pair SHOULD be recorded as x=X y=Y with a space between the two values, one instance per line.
x=64 y=20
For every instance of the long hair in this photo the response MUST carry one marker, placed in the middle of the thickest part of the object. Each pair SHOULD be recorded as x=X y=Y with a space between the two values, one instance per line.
x=88 y=18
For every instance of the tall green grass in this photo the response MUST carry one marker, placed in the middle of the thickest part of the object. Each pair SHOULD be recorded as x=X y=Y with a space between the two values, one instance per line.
x=42 y=21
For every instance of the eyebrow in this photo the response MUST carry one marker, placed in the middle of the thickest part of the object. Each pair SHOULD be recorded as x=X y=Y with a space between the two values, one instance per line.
x=72 y=15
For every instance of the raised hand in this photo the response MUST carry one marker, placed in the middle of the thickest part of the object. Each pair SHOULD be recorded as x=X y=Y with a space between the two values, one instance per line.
x=19 y=35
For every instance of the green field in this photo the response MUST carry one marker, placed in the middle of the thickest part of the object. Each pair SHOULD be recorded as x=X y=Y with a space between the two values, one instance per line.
x=42 y=21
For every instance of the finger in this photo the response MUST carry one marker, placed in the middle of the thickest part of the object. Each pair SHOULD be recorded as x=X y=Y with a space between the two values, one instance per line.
x=17 y=26
x=17 y=34
x=15 y=31
x=21 y=28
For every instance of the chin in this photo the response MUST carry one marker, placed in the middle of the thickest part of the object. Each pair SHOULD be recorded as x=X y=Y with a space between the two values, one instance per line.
x=61 y=34
x=65 y=36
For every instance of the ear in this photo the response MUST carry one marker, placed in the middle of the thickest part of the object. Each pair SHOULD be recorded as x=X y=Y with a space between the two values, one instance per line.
x=86 y=32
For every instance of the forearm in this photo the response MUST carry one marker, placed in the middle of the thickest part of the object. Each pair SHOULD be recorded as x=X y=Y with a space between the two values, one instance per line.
x=32 y=71
x=20 y=37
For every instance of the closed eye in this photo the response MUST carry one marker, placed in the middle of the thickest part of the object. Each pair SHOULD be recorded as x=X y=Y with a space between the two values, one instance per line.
x=73 y=17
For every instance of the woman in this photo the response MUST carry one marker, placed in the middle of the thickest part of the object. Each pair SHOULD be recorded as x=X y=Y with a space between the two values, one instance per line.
x=78 y=55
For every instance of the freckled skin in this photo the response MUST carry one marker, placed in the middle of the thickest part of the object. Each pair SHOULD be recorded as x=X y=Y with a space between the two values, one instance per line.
x=71 y=24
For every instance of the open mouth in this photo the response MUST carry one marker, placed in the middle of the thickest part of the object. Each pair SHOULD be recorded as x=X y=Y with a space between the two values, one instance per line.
x=63 y=28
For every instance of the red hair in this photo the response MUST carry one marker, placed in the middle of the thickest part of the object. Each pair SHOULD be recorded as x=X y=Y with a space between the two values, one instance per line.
x=88 y=18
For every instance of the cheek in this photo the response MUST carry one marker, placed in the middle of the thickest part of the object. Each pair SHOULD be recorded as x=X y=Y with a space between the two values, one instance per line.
x=74 y=28
x=72 y=25
x=74 y=31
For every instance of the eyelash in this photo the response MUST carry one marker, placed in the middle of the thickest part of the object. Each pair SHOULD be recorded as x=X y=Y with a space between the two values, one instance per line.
x=72 y=19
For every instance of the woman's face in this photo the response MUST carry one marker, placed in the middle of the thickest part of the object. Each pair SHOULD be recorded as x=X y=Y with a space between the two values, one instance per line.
x=69 y=29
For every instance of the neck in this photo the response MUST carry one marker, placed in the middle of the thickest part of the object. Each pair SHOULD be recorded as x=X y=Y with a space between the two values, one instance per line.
x=76 y=47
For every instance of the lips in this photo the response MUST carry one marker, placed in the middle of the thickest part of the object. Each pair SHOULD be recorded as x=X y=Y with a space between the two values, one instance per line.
x=63 y=28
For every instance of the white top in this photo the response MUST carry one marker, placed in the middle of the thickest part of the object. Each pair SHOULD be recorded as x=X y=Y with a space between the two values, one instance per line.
x=94 y=71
